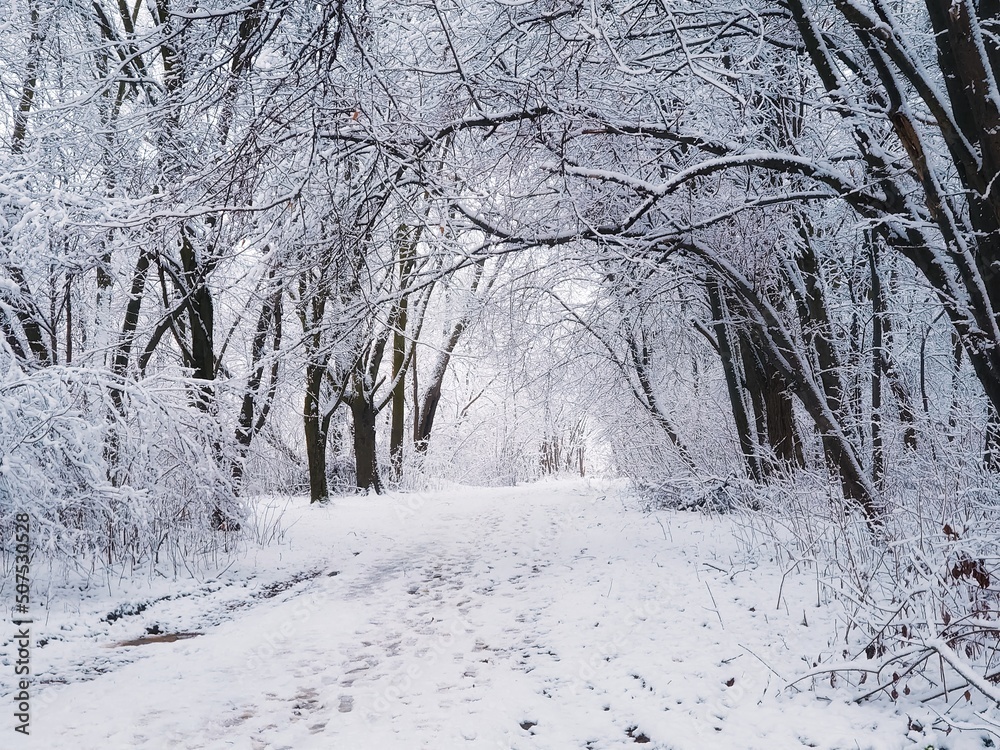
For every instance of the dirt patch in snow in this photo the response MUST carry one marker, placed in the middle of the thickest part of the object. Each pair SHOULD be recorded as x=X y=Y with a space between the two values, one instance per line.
x=162 y=638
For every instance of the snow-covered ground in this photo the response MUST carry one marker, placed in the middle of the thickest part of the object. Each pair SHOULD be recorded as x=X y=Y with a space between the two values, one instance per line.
x=557 y=616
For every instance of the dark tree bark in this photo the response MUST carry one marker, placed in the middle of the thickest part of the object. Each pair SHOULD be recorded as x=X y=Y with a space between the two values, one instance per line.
x=878 y=316
x=639 y=358
x=29 y=319
x=397 y=427
x=432 y=390
x=782 y=433
x=956 y=358
x=123 y=350
x=818 y=334
x=724 y=338
x=315 y=434
x=772 y=410
x=967 y=119
x=68 y=309
x=788 y=359
x=19 y=133
x=424 y=420
x=22 y=303
x=258 y=397
x=753 y=377
x=311 y=307
x=991 y=449
x=365 y=450
x=817 y=329
x=201 y=319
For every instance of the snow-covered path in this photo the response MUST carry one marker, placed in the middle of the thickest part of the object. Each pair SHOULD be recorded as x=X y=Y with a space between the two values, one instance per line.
x=549 y=616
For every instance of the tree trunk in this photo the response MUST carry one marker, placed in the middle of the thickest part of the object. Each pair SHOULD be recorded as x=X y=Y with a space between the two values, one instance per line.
x=315 y=434
x=720 y=316
x=891 y=374
x=646 y=396
x=773 y=410
x=22 y=303
x=201 y=313
x=68 y=308
x=427 y=410
x=878 y=315
x=432 y=392
x=29 y=319
x=991 y=448
x=785 y=354
x=818 y=332
x=365 y=451
x=956 y=357
x=397 y=427
x=19 y=132
x=782 y=434
x=752 y=382
x=257 y=400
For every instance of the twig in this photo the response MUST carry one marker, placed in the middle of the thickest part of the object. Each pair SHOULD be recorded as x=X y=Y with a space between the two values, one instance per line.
x=717 y=613
x=911 y=669
x=785 y=575
x=965 y=670
x=662 y=529
x=834 y=668
x=773 y=670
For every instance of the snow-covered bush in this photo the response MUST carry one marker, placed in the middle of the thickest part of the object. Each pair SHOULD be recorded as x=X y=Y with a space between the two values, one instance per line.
x=708 y=494
x=918 y=597
x=109 y=480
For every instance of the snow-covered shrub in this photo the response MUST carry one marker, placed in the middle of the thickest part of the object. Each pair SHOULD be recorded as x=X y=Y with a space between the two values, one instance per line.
x=709 y=494
x=918 y=597
x=109 y=480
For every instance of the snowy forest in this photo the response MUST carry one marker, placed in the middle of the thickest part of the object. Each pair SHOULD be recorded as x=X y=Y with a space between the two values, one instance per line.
x=734 y=262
